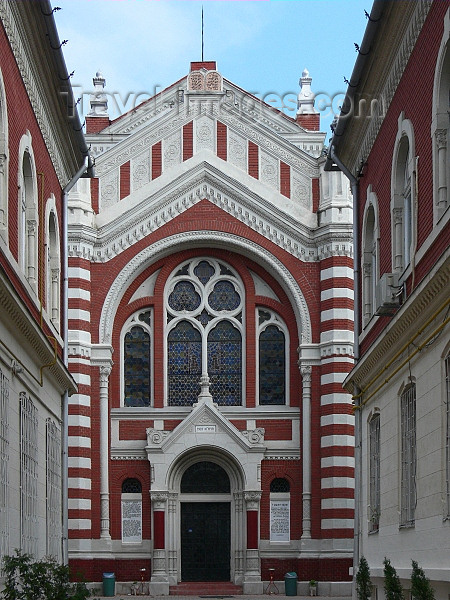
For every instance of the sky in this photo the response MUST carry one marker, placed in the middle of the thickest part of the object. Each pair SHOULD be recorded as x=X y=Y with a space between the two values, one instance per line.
x=143 y=46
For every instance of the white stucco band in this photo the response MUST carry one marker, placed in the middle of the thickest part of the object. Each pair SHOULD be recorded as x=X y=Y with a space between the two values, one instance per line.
x=207 y=239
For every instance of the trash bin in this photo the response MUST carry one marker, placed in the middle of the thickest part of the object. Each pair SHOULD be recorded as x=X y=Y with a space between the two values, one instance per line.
x=109 y=584
x=290 y=584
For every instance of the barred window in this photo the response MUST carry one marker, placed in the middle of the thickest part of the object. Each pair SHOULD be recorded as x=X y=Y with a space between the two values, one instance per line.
x=447 y=387
x=408 y=456
x=28 y=475
x=279 y=485
x=374 y=473
x=4 y=458
x=53 y=467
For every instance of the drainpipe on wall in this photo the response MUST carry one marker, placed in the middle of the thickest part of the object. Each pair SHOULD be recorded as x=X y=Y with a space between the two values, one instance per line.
x=65 y=331
x=358 y=413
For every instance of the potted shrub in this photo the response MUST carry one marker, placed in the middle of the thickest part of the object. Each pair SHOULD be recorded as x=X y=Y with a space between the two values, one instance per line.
x=312 y=587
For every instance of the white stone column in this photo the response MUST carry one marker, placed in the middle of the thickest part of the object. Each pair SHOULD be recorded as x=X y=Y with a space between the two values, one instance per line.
x=31 y=251
x=105 y=371
x=252 y=577
x=159 y=583
x=398 y=237
x=305 y=371
x=441 y=141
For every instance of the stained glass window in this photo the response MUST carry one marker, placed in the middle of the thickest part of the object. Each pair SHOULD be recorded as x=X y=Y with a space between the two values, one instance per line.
x=184 y=297
x=224 y=297
x=137 y=370
x=208 y=296
x=225 y=364
x=272 y=365
x=184 y=364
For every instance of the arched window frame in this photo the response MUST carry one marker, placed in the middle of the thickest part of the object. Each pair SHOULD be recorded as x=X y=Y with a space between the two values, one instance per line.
x=133 y=321
x=403 y=219
x=236 y=316
x=440 y=128
x=278 y=322
x=373 y=470
x=3 y=162
x=370 y=255
x=28 y=216
x=52 y=263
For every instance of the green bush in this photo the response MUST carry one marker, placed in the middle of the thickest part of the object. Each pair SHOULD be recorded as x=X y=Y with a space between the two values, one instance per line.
x=363 y=583
x=420 y=584
x=46 y=579
x=392 y=586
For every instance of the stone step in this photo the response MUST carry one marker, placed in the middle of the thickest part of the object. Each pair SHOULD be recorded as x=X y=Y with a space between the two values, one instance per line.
x=205 y=588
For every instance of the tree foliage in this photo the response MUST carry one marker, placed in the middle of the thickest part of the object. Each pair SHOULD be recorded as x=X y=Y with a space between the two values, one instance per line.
x=420 y=584
x=363 y=582
x=46 y=579
x=392 y=586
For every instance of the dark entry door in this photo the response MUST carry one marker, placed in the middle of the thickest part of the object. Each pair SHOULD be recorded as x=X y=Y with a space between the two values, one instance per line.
x=205 y=541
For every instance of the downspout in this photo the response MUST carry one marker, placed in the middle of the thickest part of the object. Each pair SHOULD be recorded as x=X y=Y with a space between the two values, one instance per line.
x=65 y=331
x=358 y=413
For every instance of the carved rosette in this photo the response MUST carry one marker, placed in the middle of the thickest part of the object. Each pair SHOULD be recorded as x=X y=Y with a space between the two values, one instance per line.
x=155 y=437
x=252 y=499
x=254 y=436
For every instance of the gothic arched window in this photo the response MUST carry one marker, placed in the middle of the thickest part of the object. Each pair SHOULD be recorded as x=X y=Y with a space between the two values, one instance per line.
x=272 y=350
x=137 y=364
x=204 y=317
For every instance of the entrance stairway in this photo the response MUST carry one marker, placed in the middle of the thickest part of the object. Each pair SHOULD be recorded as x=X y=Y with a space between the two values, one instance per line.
x=205 y=588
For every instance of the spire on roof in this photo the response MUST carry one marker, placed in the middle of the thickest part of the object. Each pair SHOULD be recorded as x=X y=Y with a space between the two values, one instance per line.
x=305 y=99
x=99 y=100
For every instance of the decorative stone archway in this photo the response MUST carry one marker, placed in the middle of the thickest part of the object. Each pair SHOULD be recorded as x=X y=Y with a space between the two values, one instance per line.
x=205 y=435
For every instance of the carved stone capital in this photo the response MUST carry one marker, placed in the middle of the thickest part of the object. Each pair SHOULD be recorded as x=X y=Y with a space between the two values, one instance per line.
x=306 y=371
x=105 y=372
x=441 y=138
x=159 y=499
x=252 y=499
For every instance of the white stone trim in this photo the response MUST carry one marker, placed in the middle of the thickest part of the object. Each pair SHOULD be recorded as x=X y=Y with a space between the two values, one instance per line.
x=79 y=273
x=337 y=419
x=166 y=246
x=337 y=440
x=79 y=523
x=79 y=483
x=333 y=272
x=76 y=441
x=337 y=482
x=79 y=421
x=337 y=461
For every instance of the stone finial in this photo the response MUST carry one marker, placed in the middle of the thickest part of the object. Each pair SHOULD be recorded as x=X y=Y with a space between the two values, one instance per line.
x=305 y=99
x=99 y=100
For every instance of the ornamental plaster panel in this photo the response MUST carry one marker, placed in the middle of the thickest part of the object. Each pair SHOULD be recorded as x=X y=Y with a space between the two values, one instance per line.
x=301 y=190
x=204 y=134
x=166 y=246
x=172 y=150
x=141 y=169
x=269 y=170
x=237 y=151
x=109 y=190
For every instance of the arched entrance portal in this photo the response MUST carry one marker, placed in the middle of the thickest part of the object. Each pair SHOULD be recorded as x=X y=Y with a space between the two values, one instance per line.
x=205 y=503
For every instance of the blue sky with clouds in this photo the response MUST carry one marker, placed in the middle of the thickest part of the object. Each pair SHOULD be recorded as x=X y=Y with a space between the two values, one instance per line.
x=142 y=46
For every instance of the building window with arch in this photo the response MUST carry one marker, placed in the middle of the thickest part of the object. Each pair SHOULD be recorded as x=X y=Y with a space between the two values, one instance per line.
x=3 y=162
x=273 y=349
x=441 y=125
x=204 y=330
x=28 y=213
x=374 y=504
x=28 y=475
x=137 y=359
x=131 y=511
x=403 y=171
x=408 y=456
x=370 y=257
x=280 y=510
x=4 y=460
x=53 y=269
